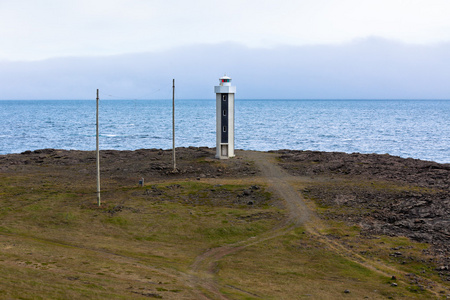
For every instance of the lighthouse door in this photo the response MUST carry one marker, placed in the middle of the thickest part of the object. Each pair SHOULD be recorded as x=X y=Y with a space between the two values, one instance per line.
x=224 y=150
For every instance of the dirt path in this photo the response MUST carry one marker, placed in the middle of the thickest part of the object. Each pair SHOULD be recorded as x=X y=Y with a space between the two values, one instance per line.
x=203 y=269
x=278 y=181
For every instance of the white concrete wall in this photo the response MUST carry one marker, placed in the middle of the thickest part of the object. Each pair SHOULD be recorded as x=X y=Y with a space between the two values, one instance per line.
x=224 y=89
x=218 y=123
x=231 y=124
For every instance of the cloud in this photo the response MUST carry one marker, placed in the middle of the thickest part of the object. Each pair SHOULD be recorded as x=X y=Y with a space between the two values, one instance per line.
x=371 y=68
x=34 y=30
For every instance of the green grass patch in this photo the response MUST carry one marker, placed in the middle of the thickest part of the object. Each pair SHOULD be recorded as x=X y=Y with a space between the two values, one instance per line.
x=341 y=229
x=298 y=265
x=116 y=221
x=231 y=234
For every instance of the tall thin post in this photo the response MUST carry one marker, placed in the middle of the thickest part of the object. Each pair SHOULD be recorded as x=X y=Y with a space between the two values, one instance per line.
x=173 y=125
x=98 y=159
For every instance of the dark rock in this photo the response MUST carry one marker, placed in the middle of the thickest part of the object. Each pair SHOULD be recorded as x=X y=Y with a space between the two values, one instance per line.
x=246 y=193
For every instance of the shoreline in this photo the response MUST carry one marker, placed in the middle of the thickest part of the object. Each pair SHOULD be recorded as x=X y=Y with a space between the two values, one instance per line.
x=43 y=150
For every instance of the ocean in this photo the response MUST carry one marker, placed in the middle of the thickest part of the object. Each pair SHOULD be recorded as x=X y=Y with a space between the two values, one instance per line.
x=406 y=128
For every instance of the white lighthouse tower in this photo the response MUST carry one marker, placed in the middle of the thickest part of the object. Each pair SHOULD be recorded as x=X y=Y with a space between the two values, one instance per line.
x=225 y=118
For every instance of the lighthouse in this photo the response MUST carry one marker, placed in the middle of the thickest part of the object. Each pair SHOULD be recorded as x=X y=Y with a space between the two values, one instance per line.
x=224 y=118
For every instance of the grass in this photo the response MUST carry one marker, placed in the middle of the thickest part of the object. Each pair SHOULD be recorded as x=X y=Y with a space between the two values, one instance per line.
x=299 y=265
x=59 y=244
x=55 y=243
x=229 y=234
x=394 y=252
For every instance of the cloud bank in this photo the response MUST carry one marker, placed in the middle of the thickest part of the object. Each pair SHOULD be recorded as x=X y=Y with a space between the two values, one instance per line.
x=35 y=30
x=370 y=68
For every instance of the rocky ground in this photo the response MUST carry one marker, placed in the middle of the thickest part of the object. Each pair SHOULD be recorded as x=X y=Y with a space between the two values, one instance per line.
x=382 y=193
x=192 y=162
x=127 y=168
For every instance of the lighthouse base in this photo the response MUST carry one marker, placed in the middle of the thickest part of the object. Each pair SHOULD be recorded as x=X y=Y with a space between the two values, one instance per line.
x=223 y=151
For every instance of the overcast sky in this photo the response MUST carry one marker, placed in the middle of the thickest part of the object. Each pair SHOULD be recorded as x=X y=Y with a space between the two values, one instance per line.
x=53 y=49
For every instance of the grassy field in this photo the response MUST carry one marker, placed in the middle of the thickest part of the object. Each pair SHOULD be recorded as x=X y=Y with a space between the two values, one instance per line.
x=59 y=244
x=143 y=242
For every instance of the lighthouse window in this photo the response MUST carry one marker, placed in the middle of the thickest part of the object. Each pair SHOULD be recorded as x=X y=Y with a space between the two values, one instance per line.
x=224 y=128
x=224 y=112
x=224 y=98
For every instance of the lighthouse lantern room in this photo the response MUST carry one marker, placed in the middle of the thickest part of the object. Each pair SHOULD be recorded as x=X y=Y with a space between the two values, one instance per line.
x=224 y=118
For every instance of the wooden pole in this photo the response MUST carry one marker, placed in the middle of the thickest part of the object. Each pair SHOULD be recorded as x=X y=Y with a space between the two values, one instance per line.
x=98 y=158
x=173 y=125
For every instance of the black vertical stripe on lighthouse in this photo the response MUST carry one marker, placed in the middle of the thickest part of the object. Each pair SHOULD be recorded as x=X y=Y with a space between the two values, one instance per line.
x=224 y=114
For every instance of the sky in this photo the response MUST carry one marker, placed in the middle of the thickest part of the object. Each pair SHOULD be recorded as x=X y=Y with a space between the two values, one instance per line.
x=313 y=49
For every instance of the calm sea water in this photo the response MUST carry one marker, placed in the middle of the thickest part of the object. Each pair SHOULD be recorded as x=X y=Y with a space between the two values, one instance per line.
x=418 y=129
